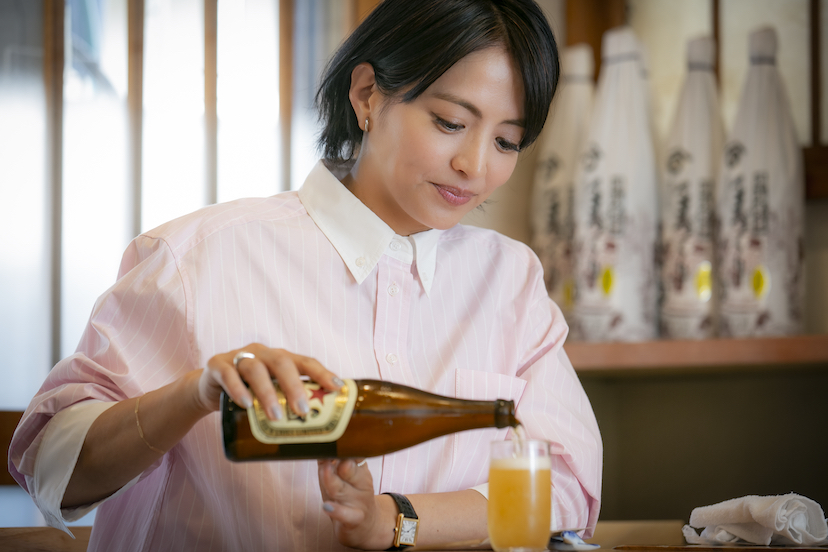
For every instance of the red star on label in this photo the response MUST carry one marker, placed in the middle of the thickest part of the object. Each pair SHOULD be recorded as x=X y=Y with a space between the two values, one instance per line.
x=318 y=394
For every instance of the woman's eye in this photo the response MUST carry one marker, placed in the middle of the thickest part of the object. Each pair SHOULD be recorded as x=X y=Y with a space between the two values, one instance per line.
x=507 y=145
x=447 y=124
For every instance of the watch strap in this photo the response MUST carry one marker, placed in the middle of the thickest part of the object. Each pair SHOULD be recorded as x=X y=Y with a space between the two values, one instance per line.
x=407 y=510
x=404 y=505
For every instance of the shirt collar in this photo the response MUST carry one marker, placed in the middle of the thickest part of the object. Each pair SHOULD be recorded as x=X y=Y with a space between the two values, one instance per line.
x=358 y=235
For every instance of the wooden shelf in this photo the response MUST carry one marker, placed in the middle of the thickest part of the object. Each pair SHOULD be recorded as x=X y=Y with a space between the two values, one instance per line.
x=712 y=354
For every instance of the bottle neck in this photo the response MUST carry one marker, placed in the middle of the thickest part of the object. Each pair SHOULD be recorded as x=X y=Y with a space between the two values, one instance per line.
x=505 y=414
x=386 y=399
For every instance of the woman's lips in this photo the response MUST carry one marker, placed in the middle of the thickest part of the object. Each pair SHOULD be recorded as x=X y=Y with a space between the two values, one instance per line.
x=455 y=196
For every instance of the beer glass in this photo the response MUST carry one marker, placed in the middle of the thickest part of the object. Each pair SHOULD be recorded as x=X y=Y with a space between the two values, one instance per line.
x=520 y=495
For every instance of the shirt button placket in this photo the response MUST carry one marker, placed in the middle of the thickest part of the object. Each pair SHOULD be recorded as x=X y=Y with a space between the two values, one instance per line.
x=391 y=325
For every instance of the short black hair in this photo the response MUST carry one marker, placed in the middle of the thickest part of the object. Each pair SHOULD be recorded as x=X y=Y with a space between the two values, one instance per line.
x=411 y=43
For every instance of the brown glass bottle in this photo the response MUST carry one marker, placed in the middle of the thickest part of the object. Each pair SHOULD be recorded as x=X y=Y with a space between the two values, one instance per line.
x=386 y=417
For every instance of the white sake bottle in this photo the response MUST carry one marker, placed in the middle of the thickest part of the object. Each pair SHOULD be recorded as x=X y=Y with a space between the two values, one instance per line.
x=560 y=143
x=761 y=204
x=689 y=171
x=616 y=203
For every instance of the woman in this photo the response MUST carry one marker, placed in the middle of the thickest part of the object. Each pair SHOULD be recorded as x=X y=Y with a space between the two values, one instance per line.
x=364 y=271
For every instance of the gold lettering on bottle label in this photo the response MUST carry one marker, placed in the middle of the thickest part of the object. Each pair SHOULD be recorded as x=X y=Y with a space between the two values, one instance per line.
x=330 y=412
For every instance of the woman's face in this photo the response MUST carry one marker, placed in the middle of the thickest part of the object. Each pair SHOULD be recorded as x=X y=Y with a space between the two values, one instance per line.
x=426 y=163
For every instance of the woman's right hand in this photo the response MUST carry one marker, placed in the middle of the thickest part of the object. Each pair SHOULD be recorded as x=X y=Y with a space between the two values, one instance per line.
x=286 y=367
x=114 y=452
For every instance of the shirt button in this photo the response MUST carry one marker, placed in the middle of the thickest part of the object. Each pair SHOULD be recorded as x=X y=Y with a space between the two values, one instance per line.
x=360 y=262
x=391 y=358
x=393 y=290
x=395 y=246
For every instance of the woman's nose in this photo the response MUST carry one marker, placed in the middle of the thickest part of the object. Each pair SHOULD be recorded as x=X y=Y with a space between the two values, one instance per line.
x=470 y=159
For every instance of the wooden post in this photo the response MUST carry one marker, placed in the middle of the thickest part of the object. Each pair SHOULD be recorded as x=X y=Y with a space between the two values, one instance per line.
x=135 y=105
x=716 y=24
x=285 y=87
x=211 y=99
x=363 y=8
x=816 y=75
x=816 y=155
x=588 y=20
x=53 y=60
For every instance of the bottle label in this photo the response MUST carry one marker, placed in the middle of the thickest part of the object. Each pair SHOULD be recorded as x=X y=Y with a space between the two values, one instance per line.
x=330 y=412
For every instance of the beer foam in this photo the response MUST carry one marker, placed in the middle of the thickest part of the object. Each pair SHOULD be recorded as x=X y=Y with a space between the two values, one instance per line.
x=522 y=463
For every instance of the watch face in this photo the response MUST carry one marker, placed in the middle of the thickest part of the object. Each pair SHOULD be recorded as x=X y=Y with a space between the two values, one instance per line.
x=408 y=531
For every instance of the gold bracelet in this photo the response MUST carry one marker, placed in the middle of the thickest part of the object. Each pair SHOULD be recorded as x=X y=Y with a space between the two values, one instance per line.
x=141 y=431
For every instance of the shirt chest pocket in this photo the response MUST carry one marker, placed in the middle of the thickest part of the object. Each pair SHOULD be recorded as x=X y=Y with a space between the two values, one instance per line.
x=471 y=448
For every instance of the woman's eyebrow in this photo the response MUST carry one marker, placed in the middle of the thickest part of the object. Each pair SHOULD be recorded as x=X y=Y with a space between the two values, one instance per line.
x=473 y=108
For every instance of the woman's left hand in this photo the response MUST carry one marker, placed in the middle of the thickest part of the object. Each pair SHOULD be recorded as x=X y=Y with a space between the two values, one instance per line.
x=361 y=519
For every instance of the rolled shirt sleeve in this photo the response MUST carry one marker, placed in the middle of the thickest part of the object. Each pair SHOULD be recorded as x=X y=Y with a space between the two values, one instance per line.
x=55 y=463
x=114 y=361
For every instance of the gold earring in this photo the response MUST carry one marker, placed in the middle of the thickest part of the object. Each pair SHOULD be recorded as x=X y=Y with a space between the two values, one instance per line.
x=366 y=124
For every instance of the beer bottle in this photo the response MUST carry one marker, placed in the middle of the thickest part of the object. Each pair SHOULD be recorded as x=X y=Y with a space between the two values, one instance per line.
x=365 y=418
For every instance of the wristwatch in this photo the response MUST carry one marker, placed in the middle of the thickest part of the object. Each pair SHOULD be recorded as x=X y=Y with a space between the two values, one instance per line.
x=405 y=533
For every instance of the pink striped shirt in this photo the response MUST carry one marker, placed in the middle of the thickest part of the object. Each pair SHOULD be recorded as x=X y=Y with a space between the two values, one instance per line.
x=461 y=312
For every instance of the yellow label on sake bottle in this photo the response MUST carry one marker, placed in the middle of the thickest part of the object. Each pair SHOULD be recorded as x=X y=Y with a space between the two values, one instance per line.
x=607 y=280
x=761 y=281
x=330 y=412
x=704 y=281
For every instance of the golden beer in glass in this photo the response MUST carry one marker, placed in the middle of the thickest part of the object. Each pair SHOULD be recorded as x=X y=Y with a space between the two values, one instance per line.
x=520 y=495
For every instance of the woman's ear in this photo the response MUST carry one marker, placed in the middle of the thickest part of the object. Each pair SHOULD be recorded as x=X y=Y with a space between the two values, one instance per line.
x=363 y=86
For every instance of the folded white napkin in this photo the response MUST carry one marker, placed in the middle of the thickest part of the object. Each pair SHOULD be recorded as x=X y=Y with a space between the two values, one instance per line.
x=788 y=519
